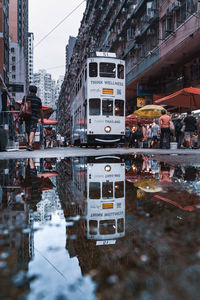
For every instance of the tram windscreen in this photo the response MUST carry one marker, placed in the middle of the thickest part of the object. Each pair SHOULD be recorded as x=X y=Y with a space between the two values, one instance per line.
x=120 y=71
x=107 y=107
x=119 y=108
x=94 y=190
x=120 y=225
x=107 y=190
x=93 y=227
x=94 y=107
x=107 y=226
x=119 y=189
x=107 y=70
x=93 y=71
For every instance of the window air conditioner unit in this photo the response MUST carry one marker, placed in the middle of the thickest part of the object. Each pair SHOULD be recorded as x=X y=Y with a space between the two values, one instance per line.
x=123 y=10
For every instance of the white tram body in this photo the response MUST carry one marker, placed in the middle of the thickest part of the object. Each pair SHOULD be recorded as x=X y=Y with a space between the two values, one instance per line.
x=105 y=215
x=98 y=102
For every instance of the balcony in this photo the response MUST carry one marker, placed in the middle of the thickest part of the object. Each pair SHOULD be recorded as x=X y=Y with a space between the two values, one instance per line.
x=143 y=65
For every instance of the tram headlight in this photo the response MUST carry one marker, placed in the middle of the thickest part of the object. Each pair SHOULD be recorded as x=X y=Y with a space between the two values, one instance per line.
x=107 y=129
x=107 y=168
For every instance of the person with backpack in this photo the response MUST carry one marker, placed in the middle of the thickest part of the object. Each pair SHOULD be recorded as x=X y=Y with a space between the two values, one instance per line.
x=32 y=120
x=178 y=124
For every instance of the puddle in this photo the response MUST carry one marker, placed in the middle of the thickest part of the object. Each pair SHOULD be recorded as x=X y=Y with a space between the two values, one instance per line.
x=110 y=227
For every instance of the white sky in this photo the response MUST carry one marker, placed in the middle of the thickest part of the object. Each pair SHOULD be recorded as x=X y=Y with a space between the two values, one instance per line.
x=44 y=15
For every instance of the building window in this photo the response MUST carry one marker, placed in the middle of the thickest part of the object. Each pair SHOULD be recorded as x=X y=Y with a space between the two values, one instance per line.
x=13 y=77
x=13 y=50
x=13 y=68
x=13 y=59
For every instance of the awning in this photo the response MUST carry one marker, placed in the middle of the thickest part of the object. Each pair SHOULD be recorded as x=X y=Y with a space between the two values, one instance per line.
x=188 y=98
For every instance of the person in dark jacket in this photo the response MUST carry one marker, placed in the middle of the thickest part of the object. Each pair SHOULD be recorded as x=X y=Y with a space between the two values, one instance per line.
x=190 y=126
x=31 y=121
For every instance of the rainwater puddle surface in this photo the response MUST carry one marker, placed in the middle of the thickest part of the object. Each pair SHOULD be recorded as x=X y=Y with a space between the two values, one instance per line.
x=110 y=227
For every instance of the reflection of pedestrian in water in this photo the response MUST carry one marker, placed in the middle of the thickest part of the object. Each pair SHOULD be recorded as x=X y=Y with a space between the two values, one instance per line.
x=190 y=173
x=31 y=185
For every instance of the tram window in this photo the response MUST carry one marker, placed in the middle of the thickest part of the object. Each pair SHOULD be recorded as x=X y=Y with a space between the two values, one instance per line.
x=107 y=70
x=119 y=108
x=119 y=189
x=107 y=226
x=94 y=190
x=107 y=190
x=93 y=70
x=93 y=227
x=85 y=74
x=107 y=107
x=120 y=71
x=94 y=107
x=120 y=225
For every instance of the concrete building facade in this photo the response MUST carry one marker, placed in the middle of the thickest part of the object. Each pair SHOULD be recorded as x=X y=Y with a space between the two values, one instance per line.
x=18 y=30
x=30 y=56
x=69 y=50
x=159 y=41
x=4 y=40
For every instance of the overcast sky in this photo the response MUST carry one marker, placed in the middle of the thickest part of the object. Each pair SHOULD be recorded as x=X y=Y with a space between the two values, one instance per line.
x=44 y=15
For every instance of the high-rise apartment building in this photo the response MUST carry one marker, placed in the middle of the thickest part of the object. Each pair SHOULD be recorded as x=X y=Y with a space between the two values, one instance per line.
x=46 y=87
x=4 y=40
x=30 y=57
x=69 y=50
x=18 y=10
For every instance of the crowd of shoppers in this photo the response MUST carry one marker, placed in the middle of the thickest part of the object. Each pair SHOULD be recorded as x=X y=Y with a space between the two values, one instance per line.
x=184 y=130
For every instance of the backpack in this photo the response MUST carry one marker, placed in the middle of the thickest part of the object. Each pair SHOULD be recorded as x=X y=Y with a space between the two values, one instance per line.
x=178 y=125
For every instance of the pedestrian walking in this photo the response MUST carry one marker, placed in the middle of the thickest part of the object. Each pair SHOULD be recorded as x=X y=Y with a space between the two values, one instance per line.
x=179 y=134
x=165 y=129
x=155 y=133
x=190 y=126
x=127 y=136
x=198 y=130
x=31 y=121
x=145 y=136
x=149 y=132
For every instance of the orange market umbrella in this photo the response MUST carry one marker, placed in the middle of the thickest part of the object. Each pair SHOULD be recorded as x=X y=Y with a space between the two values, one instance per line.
x=188 y=98
x=133 y=119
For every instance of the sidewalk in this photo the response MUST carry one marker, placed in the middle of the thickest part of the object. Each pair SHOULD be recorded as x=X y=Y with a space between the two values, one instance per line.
x=75 y=151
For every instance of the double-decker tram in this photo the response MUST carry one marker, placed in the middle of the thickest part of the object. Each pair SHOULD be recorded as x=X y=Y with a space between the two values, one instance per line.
x=98 y=102
x=105 y=201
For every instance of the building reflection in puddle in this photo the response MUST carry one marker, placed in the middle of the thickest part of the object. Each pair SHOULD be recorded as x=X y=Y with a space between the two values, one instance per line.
x=158 y=181
x=105 y=204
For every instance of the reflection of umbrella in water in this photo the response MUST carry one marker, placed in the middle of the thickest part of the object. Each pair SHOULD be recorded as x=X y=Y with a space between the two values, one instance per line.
x=46 y=184
x=134 y=177
x=186 y=208
x=49 y=122
x=148 y=185
x=150 y=111
x=47 y=174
